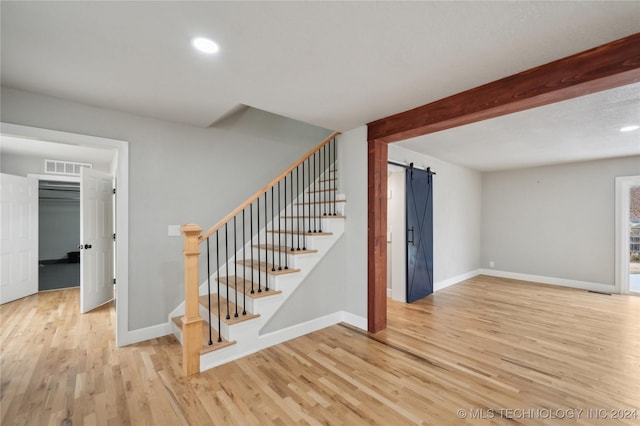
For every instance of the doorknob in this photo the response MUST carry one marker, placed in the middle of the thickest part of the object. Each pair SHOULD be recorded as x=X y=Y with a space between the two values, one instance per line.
x=87 y=246
x=80 y=246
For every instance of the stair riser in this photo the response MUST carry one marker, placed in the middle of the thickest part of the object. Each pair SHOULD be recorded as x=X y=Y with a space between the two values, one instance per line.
x=252 y=304
x=324 y=223
x=292 y=259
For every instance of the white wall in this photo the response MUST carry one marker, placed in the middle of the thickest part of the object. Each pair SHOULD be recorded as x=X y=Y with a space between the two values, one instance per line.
x=178 y=174
x=456 y=216
x=554 y=221
x=397 y=247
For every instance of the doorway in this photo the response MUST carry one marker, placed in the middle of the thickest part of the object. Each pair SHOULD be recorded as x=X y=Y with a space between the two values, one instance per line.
x=627 y=256
x=58 y=233
x=119 y=168
x=409 y=232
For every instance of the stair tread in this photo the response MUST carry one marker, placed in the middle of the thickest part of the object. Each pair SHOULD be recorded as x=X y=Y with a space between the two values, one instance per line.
x=247 y=287
x=223 y=310
x=267 y=267
x=206 y=348
x=321 y=202
x=316 y=217
x=284 y=249
x=300 y=232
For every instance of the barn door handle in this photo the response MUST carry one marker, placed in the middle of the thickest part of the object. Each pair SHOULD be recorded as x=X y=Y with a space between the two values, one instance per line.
x=410 y=240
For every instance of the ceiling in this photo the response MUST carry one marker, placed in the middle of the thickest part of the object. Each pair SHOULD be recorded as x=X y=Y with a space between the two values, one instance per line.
x=337 y=65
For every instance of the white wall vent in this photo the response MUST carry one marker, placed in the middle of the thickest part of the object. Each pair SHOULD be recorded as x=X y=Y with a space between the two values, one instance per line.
x=64 y=167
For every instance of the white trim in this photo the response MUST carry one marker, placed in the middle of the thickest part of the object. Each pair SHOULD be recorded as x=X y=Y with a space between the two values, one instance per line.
x=55 y=178
x=623 y=186
x=151 y=332
x=585 y=285
x=122 y=209
x=280 y=336
x=389 y=292
x=455 y=280
x=355 y=320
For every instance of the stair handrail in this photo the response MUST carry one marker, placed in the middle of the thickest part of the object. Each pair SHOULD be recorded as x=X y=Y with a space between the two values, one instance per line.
x=262 y=190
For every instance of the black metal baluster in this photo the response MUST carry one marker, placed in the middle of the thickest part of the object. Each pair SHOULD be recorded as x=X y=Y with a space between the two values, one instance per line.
x=273 y=236
x=209 y=291
x=323 y=185
x=306 y=189
x=298 y=209
x=266 y=245
x=226 y=256
x=280 y=231
x=286 y=256
x=321 y=193
x=293 y=236
x=327 y=183
x=244 y=270
x=304 y=215
x=218 y=266
x=335 y=163
x=312 y=185
x=251 y=232
x=235 y=265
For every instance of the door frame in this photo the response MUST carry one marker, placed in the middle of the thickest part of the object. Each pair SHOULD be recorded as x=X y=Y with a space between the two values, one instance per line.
x=623 y=186
x=121 y=174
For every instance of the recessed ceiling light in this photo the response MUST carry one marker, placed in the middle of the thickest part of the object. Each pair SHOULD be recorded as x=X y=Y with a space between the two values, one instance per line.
x=629 y=128
x=205 y=45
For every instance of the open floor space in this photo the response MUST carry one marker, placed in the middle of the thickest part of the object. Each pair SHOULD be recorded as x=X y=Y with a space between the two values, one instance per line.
x=488 y=350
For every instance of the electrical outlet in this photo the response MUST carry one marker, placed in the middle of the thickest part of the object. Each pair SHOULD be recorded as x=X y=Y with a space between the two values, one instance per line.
x=492 y=264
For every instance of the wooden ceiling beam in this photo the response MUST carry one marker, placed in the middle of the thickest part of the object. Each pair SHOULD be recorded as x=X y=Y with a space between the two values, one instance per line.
x=604 y=67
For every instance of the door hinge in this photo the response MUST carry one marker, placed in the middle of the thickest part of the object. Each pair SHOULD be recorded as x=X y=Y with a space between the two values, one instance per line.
x=114 y=237
x=114 y=190
x=114 y=280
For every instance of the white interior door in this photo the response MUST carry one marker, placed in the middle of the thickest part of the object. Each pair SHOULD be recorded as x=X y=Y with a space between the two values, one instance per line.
x=19 y=237
x=96 y=239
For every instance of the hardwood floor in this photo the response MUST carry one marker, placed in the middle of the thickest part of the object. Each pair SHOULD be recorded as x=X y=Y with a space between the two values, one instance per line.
x=535 y=352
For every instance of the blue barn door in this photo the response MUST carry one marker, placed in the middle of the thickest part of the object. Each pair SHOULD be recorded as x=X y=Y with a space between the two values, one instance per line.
x=419 y=220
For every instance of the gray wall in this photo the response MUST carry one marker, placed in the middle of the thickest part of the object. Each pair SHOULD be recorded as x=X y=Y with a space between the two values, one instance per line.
x=554 y=221
x=352 y=167
x=321 y=293
x=457 y=203
x=58 y=227
x=178 y=174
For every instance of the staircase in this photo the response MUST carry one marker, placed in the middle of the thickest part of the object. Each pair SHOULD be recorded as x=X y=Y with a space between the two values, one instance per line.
x=256 y=257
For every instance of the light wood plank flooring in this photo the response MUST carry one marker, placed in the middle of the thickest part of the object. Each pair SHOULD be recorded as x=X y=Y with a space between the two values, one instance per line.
x=486 y=344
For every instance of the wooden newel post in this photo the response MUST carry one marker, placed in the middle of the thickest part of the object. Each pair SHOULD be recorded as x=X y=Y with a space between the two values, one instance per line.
x=191 y=322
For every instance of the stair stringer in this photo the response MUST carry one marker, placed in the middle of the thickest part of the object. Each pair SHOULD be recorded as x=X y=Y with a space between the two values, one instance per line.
x=247 y=333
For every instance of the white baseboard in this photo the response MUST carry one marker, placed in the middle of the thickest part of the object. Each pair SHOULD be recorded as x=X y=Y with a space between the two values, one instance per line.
x=142 y=334
x=354 y=320
x=584 y=285
x=279 y=336
x=455 y=280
